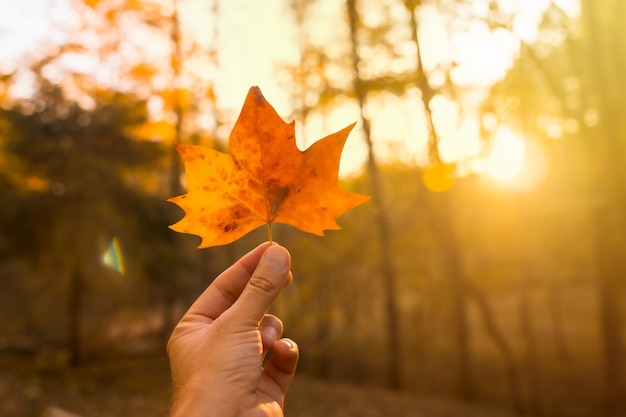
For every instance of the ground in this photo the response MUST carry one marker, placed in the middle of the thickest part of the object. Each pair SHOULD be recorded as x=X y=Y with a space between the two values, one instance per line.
x=139 y=387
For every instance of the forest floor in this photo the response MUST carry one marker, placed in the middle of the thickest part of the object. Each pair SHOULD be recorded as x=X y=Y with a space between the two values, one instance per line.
x=139 y=387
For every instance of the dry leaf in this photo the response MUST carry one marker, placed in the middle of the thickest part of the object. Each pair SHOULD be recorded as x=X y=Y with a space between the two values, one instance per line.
x=265 y=179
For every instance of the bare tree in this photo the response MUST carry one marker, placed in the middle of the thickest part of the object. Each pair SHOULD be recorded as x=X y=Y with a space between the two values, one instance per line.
x=384 y=232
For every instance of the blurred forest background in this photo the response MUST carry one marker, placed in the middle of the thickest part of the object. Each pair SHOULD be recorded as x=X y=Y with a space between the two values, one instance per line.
x=488 y=270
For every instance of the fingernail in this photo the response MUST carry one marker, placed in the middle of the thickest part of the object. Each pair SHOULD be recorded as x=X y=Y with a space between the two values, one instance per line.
x=290 y=343
x=271 y=333
x=276 y=257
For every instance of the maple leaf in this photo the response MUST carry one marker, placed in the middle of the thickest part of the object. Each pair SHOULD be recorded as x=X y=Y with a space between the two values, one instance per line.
x=265 y=179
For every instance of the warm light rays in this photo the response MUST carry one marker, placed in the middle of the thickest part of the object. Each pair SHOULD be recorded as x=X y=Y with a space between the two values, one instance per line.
x=399 y=130
x=504 y=161
x=514 y=161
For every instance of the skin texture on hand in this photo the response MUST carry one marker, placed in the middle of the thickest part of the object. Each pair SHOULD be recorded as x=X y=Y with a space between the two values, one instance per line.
x=217 y=349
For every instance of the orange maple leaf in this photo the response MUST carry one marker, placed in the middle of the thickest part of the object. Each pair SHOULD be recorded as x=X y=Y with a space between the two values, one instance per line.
x=265 y=179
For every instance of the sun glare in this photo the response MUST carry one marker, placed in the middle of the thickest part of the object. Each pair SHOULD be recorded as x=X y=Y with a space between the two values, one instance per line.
x=505 y=161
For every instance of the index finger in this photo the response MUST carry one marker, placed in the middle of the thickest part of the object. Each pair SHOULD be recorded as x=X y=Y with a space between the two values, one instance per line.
x=226 y=288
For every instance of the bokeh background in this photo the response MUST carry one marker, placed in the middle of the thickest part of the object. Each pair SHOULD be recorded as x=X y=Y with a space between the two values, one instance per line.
x=486 y=277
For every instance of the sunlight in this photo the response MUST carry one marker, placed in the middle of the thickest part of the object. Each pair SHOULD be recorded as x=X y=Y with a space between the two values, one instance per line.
x=398 y=126
x=506 y=158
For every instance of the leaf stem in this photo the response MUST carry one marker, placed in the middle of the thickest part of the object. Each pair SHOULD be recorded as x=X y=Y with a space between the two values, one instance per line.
x=269 y=231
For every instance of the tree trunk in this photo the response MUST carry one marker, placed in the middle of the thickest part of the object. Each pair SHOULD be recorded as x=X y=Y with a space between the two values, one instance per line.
x=610 y=272
x=75 y=306
x=384 y=234
x=324 y=317
x=558 y=331
x=607 y=215
x=170 y=287
x=530 y=352
x=512 y=373
x=609 y=185
x=440 y=215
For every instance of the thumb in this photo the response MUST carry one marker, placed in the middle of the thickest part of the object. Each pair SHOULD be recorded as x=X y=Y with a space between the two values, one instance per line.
x=266 y=282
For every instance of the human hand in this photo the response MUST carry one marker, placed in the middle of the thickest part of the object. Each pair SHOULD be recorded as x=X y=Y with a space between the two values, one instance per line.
x=217 y=349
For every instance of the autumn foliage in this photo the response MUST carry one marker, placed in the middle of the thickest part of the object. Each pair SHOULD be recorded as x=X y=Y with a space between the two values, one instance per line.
x=265 y=179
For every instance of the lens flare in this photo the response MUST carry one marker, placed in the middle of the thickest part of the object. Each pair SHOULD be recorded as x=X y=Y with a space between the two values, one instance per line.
x=112 y=257
x=440 y=177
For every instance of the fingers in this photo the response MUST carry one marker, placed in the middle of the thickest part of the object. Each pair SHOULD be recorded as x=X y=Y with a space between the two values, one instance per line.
x=281 y=367
x=267 y=281
x=226 y=288
x=271 y=329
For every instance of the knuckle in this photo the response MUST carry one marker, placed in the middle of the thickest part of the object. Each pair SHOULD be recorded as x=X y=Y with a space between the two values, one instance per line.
x=263 y=283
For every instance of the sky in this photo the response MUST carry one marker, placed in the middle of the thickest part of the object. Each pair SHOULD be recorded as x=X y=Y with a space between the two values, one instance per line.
x=252 y=39
x=256 y=36
x=24 y=25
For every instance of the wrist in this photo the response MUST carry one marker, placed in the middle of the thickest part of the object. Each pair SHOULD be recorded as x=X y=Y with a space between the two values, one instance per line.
x=196 y=403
